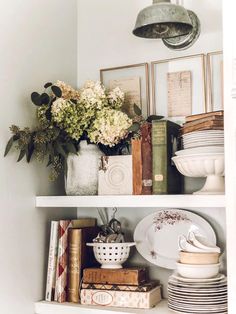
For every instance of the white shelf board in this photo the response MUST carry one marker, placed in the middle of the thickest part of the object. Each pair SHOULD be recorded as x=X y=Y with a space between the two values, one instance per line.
x=70 y=308
x=155 y=201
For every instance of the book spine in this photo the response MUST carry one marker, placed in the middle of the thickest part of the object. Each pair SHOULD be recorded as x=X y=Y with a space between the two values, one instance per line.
x=74 y=265
x=110 y=276
x=146 y=149
x=52 y=262
x=139 y=288
x=137 y=166
x=121 y=298
x=159 y=157
x=83 y=223
x=62 y=261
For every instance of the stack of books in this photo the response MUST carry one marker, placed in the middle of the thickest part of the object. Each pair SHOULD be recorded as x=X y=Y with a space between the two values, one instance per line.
x=68 y=256
x=125 y=287
x=205 y=121
x=153 y=170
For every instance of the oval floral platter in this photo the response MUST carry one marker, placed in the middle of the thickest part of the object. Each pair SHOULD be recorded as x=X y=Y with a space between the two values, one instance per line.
x=156 y=236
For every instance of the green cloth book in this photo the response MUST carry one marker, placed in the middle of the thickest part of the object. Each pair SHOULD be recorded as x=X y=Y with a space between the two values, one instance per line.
x=165 y=141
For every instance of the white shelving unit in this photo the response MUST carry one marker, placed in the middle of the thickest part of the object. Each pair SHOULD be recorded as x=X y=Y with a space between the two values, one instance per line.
x=153 y=201
x=131 y=201
x=69 y=308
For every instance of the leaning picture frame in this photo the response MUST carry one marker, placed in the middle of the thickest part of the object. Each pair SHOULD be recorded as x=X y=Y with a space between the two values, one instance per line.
x=179 y=87
x=215 y=81
x=134 y=82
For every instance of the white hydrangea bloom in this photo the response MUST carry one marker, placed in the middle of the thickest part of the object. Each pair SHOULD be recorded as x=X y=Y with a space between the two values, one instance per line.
x=109 y=127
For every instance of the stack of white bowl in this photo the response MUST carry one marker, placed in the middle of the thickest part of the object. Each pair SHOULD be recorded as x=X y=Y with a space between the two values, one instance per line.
x=197 y=286
x=203 y=156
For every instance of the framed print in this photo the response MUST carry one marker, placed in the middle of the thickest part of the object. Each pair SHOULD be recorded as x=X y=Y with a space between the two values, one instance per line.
x=215 y=81
x=179 y=87
x=133 y=80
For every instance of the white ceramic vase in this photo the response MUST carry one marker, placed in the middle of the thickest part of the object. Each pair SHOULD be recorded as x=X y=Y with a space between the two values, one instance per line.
x=81 y=175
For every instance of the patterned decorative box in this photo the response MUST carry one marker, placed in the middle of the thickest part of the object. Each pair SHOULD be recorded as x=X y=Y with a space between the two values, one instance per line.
x=141 y=300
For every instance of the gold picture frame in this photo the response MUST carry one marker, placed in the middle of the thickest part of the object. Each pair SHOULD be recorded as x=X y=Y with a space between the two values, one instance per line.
x=215 y=80
x=133 y=73
x=159 y=73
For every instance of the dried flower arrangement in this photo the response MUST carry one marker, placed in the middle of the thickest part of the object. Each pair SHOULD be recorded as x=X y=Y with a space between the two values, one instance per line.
x=66 y=116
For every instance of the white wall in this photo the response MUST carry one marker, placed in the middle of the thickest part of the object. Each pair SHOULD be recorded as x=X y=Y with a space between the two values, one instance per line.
x=38 y=44
x=105 y=34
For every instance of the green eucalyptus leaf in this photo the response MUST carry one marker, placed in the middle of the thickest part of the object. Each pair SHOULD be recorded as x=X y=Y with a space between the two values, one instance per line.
x=48 y=114
x=154 y=117
x=9 y=145
x=22 y=154
x=60 y=149
x=56 y=91
x=45 y=99
x=49 y=161
x=137 y=110
x=134 y=127
x=47 y=85
x=30 y=151
x=71 y=148
x=36 y=99
x=51 y=150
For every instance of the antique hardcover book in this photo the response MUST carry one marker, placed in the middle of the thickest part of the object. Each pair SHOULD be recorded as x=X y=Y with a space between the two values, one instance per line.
x=204 y=115
x=137 y=166
x=146 y=150
x=61 y=272
x=62 y=255
x=138 y=288
x=83 y=222
x=208 y=125
x=123 y=276
x=80 y=256
x=165 y=139
x=52 y=262
x=129 y=299
x=203 y=120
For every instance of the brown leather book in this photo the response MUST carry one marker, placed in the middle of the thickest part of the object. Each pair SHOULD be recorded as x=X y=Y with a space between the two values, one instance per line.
x=146 y=149
x=137 y=166
x=137 y=288
x=202 y=120
x=211 y=125
x=204 y=115
x=123 y=276
x=80 y=256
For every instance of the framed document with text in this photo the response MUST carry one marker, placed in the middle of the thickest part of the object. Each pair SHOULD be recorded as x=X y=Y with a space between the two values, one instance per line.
x=179 y=87
x=133 y=80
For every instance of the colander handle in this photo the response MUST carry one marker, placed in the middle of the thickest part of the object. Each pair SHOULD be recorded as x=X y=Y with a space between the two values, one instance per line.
x=91 y=244
x=130 y=244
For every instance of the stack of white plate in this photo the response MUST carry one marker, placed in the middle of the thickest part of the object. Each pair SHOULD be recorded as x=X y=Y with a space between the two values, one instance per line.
x=195 y=296
x=203 y=138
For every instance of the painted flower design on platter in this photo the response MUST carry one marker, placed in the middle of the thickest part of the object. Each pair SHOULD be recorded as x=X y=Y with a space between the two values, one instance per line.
x=168 y=217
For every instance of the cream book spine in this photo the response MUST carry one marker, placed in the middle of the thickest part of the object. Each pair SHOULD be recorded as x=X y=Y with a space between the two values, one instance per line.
x=52 y=261
x=129 y=299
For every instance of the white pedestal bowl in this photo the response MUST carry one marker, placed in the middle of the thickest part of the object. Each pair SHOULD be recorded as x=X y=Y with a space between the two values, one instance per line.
x=209 y=165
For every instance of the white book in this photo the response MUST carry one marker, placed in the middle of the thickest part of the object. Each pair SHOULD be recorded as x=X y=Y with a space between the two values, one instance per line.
x=52 y=261
x=132 y=299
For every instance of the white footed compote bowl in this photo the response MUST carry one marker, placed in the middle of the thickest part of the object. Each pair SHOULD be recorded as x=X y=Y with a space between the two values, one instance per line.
x=209 y=165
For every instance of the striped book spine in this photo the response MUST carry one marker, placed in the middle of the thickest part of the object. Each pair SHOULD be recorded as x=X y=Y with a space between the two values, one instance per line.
x=52 y=262
x=62 y=261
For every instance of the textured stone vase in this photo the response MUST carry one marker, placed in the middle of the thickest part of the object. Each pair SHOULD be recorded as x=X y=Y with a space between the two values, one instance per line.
x=81 y=177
